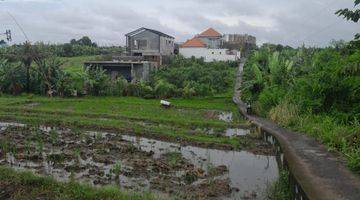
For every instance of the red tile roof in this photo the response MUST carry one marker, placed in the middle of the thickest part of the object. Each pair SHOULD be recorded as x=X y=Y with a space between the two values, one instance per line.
x=210 y=32
x=195 y=42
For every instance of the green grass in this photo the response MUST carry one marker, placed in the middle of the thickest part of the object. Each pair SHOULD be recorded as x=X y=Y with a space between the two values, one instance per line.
x=337 y=137
x=75 y=64
x=327 y=129
x=281 y=188
x=25 y=185
x=186 y=121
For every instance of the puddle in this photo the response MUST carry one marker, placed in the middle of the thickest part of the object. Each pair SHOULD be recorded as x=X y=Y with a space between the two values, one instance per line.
x=144 y=164
x=248 y=172
x=31 y=105
x=226 y=116
x=230 y=132
x=233 y=132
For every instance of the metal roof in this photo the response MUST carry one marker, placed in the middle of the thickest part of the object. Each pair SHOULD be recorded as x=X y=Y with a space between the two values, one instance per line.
x=137 y=31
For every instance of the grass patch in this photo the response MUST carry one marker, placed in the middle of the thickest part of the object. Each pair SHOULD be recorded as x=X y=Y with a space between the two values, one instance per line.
x=25 y=185
x=281 y=188
x=186 y=121
x=76 y=64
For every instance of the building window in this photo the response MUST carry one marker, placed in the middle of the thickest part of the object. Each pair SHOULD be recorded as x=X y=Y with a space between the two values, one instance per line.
x=220 y=53
x=141 y=44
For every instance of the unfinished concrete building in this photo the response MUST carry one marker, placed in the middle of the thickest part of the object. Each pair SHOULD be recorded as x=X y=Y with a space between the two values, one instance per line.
x=243 y=42
x=147 y=50
x=152 y=45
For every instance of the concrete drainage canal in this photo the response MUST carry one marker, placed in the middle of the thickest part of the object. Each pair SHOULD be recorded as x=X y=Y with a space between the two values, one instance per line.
x=137 y=163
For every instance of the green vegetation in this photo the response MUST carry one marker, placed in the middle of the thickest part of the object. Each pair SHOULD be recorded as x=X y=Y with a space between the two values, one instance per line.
x=281 y=188
x=36 y=69
x=26 y=185
x=82 y=47
x=193 y=77
x=173 y=158
x=311 y=90
x=76 y=64
x=187 y=121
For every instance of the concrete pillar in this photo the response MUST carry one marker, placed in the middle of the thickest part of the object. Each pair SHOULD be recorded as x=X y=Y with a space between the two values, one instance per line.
x=133 y=78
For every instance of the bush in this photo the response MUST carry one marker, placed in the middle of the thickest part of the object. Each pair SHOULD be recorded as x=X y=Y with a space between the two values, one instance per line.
x=119 y=87
x=12 y=78
x=193 y=77
x=311 y=90
x=163 y=89
x=97 y=81
x=285 y=113
x=65 y=86
x=269 y=98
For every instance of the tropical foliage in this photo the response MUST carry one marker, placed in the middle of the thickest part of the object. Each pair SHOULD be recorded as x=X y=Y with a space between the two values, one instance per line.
x=81 y=47
x=35 y=70
x=309 y=89
x=193 y=77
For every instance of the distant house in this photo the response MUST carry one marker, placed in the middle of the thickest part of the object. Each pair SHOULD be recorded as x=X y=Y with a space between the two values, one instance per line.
x=211 y=38
x=152 y=45
x=207 y=45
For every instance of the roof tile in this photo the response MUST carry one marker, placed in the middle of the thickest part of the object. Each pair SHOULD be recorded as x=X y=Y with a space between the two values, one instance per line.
x=210 y=32
x=195 y=42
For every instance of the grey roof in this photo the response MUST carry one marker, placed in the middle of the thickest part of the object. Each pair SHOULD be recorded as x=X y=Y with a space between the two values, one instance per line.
x=151 y=30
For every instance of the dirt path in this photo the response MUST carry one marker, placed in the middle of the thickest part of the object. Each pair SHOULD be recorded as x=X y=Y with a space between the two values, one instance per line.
x=321 y=174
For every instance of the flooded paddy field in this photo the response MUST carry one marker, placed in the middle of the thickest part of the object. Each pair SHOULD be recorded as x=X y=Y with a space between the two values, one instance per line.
x=137 y=163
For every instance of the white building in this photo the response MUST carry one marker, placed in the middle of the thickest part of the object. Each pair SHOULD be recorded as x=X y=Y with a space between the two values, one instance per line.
x=199 y=47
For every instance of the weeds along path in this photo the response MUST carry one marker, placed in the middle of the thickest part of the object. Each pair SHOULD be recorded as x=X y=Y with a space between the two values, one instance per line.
x=320 y=174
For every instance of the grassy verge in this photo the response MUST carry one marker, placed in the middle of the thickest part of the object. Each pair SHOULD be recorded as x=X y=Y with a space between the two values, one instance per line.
x=24 y=185
x=338 y=137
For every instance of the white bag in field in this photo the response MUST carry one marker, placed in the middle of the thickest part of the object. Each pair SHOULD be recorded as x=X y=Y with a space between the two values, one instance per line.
x=165 y=103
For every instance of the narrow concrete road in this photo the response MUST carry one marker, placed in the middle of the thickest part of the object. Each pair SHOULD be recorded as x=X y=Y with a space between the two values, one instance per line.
x=321 y=174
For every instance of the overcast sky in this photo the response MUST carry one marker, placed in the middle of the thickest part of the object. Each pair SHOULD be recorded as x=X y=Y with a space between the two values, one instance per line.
x=290 y=22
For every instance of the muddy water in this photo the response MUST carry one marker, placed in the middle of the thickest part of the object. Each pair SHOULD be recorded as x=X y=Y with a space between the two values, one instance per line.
x=226 y=116
x=249 y=174
x=91 y=157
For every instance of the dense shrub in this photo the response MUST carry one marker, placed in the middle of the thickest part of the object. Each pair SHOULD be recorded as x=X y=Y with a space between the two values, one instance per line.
x=12 y=77
x=97 y=82
x=193 y=77
x=313 y=90
x=63 y=50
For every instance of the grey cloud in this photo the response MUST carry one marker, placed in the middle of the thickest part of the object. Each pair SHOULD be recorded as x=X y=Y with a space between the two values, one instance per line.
x=106 y=21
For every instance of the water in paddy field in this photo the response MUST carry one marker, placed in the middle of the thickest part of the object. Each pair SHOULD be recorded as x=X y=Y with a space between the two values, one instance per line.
x=232 y=132
x=250 y=174
x=142 y=163
x=226 y=116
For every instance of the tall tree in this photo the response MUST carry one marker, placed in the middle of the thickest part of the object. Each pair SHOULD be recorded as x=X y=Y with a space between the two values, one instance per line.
x=353 y=15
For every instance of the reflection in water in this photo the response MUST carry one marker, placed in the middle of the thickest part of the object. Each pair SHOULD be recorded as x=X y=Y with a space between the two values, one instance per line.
x=226 y=116
x=247 y=172
x=231 y=132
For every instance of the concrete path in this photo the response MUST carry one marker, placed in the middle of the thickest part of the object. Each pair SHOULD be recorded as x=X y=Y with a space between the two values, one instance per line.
x=321 y=174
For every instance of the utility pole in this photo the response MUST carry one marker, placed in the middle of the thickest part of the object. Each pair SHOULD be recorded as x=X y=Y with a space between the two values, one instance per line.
x=7 y=34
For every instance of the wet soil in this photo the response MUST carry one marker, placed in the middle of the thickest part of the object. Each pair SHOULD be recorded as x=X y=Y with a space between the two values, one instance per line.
x=136 y=163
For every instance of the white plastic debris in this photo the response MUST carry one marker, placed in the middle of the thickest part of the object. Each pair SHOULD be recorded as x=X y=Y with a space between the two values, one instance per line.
x=165 y=103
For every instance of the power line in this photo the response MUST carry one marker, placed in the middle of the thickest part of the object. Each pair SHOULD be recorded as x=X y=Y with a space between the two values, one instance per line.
x=17 y=23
